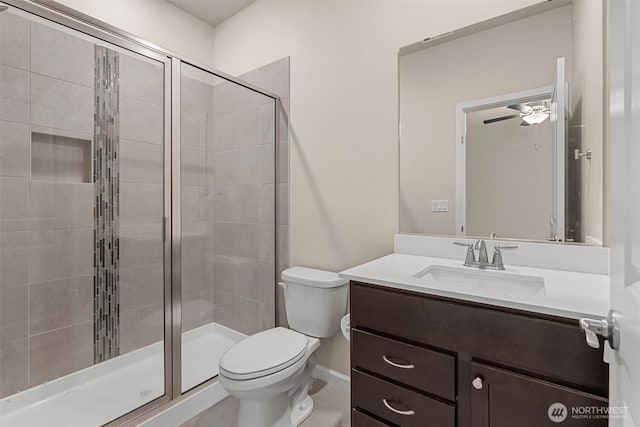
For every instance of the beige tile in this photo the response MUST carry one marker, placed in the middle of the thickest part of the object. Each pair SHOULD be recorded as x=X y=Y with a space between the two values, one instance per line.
x=267 y=244
x=56 y=254
x=267 y=204
x=246 y=128
x=141 y=162
x=246 y=240
x=59 y=303
x=246 y=283
x=267 y=315
x=14 y=203
x=14 y=148
x=267 y=123
x=140 y=327
x=247 y=165
x=141 y=245
x=14 y=265
x=13 y=313
x=193 y=130
x=247 y=206
x=273 y=77
x=224 y=242
x=225 y=202
x=61 y=105
x=61 y=55
x=14 y=94
x=246 y=315
x=197 y=310
x=14 y=240
x=194 y=238
x=141 y=79
x=266 y=164
x=283 y=245
x=223 y=167
x=141 y=204
x=193 y=276
x=283 y=161
x=194 y=203
x=283 y=204
x=60 y=352
x=225 y=273
x=195 y=96
x=14 y=41
x=220 y=138
x=141 y=286
x=266 y=283
x=61 y=205
x=14 y=375
x=193 y=165
x=141 y=121
x=223 y=310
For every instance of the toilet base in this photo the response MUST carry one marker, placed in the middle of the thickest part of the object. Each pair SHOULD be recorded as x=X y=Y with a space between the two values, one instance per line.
x=302 y=411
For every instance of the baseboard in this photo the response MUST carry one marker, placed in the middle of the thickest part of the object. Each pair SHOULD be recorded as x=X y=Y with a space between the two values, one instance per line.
x=335 y=378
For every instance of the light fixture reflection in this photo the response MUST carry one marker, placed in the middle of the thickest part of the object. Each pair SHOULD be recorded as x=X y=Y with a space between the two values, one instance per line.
x=535 y=118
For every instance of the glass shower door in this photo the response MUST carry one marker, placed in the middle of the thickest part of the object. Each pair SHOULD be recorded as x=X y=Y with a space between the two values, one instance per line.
x=227 y=151
x=82 y=254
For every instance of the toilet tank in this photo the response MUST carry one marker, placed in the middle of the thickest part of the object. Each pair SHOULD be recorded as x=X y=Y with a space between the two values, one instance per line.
x=315 y=300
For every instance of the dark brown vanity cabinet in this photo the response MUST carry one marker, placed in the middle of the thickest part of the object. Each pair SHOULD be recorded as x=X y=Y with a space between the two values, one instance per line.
x=419 y=360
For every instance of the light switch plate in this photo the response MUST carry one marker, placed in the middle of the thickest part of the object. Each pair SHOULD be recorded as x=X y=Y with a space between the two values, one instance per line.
x=439 y=206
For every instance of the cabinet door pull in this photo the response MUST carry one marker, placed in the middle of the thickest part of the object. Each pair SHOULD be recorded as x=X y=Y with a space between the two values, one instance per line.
x=398 y=365
x=397 y=411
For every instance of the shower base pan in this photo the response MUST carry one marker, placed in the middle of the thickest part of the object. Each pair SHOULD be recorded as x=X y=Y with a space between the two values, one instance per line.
x=101 y=393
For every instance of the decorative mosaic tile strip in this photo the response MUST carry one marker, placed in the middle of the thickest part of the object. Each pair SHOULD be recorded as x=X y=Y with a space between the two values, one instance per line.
x=106 y=184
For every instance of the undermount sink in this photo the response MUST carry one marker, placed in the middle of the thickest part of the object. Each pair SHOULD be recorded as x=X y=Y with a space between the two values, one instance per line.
x=468 y=278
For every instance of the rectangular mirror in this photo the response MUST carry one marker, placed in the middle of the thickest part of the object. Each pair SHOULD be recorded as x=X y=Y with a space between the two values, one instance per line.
x=502 y=127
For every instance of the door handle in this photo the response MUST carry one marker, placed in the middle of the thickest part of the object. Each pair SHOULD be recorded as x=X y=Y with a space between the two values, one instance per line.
x=398 y=365
x=606 y=327
x=397 y=411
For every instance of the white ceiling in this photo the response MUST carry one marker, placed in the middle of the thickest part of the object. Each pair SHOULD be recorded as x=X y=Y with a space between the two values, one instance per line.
x=212 y=11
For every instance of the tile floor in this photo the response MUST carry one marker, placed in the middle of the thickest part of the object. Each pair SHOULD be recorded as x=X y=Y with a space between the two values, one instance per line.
x=332 y=409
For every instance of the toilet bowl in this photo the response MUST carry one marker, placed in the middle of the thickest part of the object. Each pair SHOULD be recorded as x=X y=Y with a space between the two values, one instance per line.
x=270 y=371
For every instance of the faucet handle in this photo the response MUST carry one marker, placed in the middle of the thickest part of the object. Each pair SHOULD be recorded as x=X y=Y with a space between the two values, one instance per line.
x=470 y=258
x=469 y=245
x=497 y=255
x=504 y=247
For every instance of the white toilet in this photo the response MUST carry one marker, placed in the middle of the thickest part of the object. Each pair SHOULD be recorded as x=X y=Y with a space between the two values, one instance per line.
x=270 y=371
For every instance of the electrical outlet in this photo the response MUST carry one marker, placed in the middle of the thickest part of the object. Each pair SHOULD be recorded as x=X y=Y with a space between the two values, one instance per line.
x=439 y=206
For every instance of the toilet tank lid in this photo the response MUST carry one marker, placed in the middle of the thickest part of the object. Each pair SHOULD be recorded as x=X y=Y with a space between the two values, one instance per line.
x=312 y=277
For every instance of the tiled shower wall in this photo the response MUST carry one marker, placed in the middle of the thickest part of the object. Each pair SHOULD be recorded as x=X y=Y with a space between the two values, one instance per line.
x=46 y=217
x=274 y=77
x=228 y=184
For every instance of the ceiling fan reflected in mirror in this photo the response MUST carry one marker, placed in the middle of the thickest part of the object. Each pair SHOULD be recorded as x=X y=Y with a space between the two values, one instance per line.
x=531 y=113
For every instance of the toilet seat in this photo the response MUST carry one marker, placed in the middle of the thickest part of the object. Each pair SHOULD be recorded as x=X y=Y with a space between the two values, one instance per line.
x=263 y=354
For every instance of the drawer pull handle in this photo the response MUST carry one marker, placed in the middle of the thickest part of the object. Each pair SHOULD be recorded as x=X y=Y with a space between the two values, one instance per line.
x=398 y=365
x=397 y=411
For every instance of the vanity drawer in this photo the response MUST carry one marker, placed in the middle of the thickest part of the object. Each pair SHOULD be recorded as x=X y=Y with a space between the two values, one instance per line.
x=388 y=401
x=415 y=366
x=541 y=346
x=358 y=419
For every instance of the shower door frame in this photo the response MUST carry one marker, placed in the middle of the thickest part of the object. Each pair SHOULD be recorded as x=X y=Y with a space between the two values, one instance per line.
x=172 y=239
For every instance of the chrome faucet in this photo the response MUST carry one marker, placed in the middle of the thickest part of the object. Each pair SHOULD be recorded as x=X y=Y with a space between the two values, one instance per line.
x=497 y=262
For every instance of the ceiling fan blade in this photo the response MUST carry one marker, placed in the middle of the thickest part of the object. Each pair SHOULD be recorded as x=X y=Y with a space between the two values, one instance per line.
x=518 y=107
x=499 y=119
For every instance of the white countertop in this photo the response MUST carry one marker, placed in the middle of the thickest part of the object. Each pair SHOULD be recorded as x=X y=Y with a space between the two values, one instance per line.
x=566 y=293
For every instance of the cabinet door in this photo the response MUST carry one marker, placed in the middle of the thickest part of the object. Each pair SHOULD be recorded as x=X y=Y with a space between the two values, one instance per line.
x=501 y=398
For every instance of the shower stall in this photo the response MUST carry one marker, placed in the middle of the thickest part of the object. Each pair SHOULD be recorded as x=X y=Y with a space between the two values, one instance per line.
x=138 y=220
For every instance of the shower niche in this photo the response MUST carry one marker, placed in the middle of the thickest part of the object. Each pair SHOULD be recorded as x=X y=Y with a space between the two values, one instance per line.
x=60 y=158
